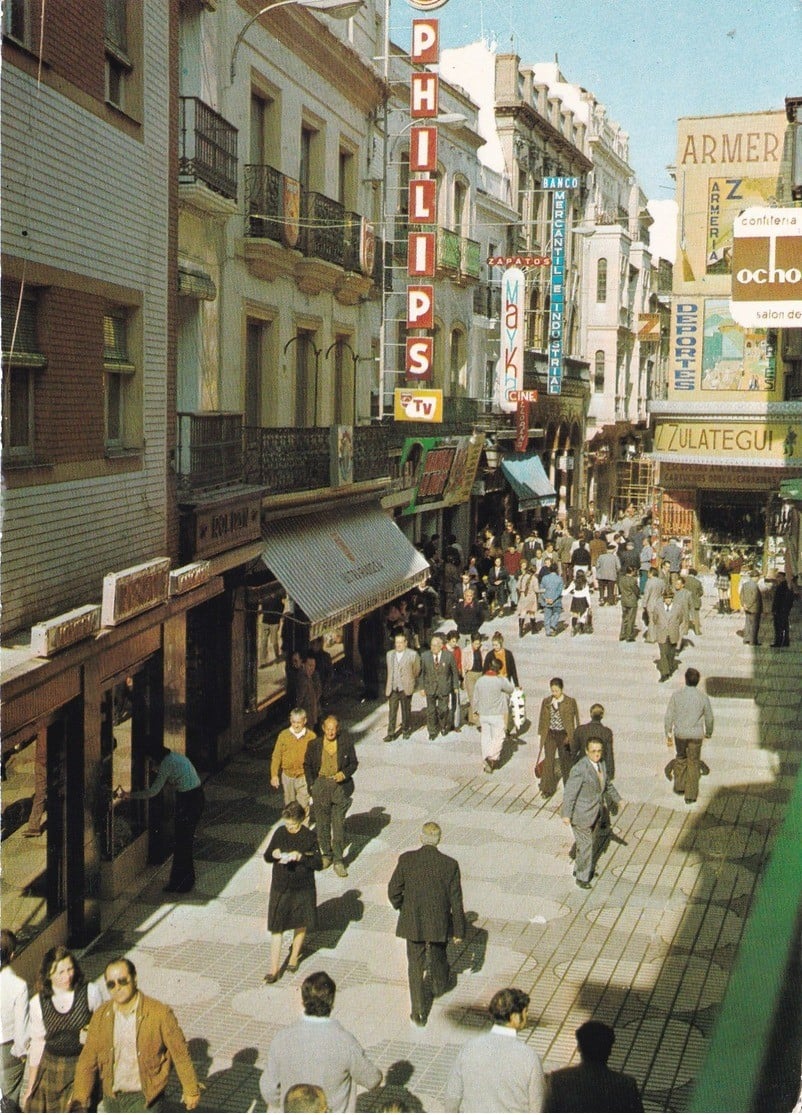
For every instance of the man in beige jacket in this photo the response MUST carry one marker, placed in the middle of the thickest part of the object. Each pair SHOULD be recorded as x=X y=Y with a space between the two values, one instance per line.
x=132 y=1043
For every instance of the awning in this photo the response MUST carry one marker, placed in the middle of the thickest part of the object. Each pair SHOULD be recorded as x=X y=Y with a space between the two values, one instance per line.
x=195 y=283
x=528 y=480
x=340 y=565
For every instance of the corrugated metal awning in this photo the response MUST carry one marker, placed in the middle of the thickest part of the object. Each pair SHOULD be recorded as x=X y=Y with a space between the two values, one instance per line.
x=340 y=565
x=528 y=480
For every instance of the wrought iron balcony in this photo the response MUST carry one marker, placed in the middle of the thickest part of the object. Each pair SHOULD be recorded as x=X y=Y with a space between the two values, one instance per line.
x=324 y=232
x=208 y=147
x=272 y=205
x=288 y=459
x=209 y=450
x=470 y=257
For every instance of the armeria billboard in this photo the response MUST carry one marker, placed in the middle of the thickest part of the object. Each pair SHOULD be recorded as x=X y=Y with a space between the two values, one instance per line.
x=767 y=268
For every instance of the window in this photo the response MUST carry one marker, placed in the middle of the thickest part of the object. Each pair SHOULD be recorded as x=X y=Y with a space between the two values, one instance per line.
x=459 y=364
x=598 y=372
x=17 y=21
x=119 y=374
x=601 y=281
x=21 y=360
x=305 y=166
x=346 y=185
x=307 y=357
x=254 y=362
x=118 y=62
x=460 y=197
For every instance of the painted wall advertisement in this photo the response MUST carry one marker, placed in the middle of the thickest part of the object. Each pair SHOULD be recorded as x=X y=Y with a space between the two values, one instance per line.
x=710 y=351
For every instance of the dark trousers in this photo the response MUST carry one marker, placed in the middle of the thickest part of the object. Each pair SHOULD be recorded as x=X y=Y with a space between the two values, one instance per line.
x=751 y=627
x=188 y=810
x=629 y=617
x=686 y=767
x=438 y=712
x=329 y=805
x=555 y=747
x=782 y=635
x=426 y=956
x=668 y=654
x=606 y=592
x=399 y=698
x=11 y=1069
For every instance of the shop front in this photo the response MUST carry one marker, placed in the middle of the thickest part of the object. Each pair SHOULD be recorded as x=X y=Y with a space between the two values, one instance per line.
x=83 y=701
x=318 y=573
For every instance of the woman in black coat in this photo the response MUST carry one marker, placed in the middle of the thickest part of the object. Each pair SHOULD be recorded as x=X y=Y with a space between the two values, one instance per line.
x=504 y=656
x=295 y=857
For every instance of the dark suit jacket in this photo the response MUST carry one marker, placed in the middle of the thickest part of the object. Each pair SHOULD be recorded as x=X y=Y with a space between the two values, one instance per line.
x=512 y=669
x=427 y=890
x=439 y=681
x=591 y=1087
x=347 y=762
x=569 y=714
x=594 y=730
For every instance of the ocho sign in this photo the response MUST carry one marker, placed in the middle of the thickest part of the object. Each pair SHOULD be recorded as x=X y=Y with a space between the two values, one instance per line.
x=767 y=268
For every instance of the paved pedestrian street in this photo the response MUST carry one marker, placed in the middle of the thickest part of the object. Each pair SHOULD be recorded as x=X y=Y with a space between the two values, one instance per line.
x=648 y=949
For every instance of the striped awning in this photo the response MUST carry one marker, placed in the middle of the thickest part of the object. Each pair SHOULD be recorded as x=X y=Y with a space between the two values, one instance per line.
x=195 y=283
x=528 y=480
x=342 y=564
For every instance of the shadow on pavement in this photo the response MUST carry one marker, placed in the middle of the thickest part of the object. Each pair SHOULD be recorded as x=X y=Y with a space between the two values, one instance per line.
x=240 y=1082
x=361 y=828
x=333 y=918
x=393 y=1095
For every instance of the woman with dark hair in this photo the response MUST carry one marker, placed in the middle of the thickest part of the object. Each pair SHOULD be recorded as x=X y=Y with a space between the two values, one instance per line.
x=581 y=614
x=60 y=1012
x=293 y=851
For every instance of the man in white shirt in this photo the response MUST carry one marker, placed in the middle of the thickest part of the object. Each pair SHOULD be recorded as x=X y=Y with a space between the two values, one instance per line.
x=13 y=1023
x=495 y=1071
x=318 y=1050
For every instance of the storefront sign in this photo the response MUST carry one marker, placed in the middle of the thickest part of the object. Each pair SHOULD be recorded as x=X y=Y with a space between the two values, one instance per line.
x=767 y=268
x=189 y=577
x=464 y=469
x=777 y=441
x=53 y=635
x=225 y=525
x=510 y=373
x=686 y=344
x=417 y=406
x=518 y=261
x=134 y=590
x=712 y=477
x=522 y=426
x=557 y=291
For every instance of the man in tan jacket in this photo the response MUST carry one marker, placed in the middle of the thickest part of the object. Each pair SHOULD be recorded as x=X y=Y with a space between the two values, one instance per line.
x=287 y=762
x=132 y=1043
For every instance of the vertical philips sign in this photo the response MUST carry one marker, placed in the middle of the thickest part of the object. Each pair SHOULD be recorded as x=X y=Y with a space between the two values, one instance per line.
x=557 y=304
x=510 y=374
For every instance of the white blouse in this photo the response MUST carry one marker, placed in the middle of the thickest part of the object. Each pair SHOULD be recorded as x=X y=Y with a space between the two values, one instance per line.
x=62 y=1001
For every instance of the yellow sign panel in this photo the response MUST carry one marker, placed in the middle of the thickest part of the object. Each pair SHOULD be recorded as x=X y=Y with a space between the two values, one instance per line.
x=762 y=442
x=418 y=405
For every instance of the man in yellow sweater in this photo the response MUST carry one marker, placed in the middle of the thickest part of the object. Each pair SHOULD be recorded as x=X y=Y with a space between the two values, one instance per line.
x=288 y=759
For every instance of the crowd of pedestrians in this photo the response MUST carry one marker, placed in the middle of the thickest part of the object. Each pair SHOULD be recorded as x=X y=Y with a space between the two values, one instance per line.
x=73 y=1041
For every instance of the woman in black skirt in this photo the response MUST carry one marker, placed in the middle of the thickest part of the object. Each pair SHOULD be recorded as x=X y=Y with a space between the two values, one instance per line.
x=295 y=857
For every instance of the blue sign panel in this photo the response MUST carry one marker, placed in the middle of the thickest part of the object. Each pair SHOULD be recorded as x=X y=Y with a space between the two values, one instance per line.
x=557 y=313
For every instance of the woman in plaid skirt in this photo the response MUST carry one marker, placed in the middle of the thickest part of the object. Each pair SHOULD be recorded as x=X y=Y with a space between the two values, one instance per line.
x=59 y=1013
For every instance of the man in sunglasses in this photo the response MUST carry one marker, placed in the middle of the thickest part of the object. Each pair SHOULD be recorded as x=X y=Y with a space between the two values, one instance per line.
x=132 y=1043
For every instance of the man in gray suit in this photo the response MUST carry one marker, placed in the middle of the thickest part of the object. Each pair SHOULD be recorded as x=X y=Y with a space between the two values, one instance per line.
x=426 y=889
x=666 y=619
x=587 y=792
x=403 y=670
x=440 y=679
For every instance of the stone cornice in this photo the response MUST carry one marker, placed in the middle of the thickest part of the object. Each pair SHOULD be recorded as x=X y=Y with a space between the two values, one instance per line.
x=532 y=119
x=335 y=62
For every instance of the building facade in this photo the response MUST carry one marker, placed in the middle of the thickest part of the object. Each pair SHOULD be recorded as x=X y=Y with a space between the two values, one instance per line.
x=727 y=431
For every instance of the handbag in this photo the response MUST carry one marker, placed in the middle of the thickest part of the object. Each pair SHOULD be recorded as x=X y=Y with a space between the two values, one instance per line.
x=539 y=764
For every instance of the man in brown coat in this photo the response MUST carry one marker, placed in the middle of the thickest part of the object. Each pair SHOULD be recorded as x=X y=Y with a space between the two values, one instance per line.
x=559 y=719
x=132 y=1043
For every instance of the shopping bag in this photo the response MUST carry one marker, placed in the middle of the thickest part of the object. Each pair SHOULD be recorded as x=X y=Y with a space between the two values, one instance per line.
x=518 y=708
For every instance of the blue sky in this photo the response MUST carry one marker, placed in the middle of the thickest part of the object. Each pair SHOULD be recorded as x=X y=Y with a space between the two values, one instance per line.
x=647 y=62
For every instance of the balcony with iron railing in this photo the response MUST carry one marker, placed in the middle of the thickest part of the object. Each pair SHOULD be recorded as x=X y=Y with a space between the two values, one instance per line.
x=456 y=256
x=209 y=450
x=207 y=148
